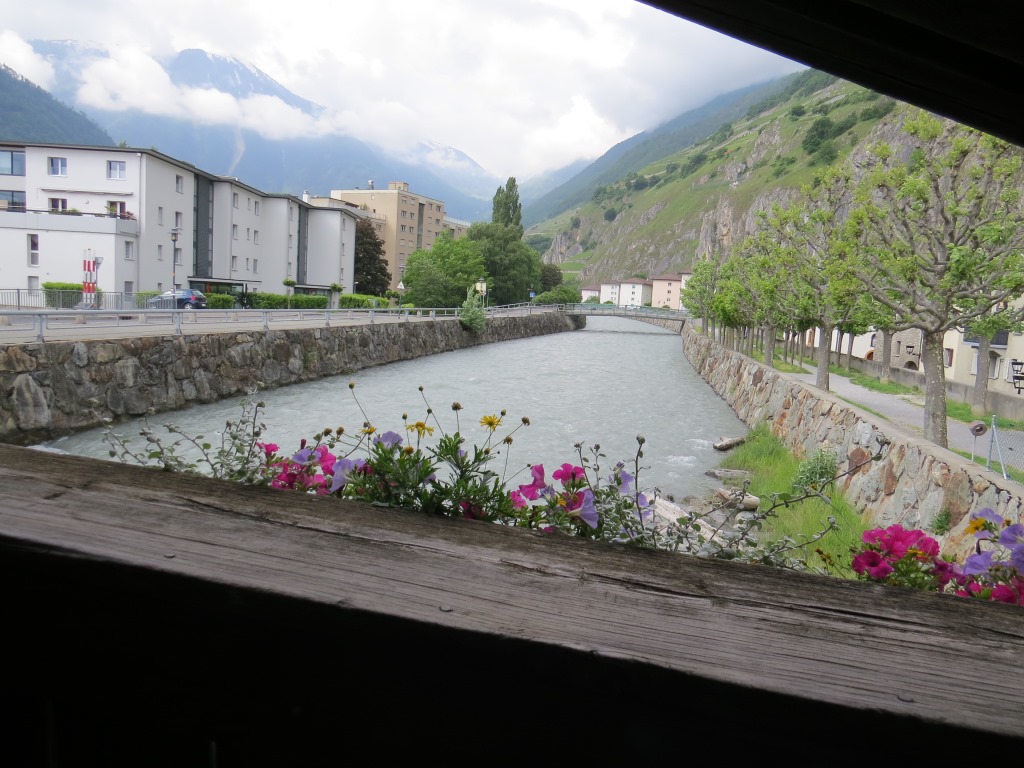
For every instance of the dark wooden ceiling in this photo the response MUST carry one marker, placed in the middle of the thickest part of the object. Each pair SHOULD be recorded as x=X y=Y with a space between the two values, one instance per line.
x=960 y=59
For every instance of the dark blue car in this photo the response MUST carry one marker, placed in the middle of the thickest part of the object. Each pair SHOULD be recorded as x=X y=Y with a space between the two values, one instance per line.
x=183 y=298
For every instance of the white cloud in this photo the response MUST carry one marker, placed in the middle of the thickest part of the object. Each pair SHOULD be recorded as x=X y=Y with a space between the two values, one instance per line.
x=521 y=86
x=19 y=56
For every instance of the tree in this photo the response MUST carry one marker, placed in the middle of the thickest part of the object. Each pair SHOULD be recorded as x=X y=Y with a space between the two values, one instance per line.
x=512 y=267
x=550 y=276
x=562 y=294
x=440 y=277
x=507 y=209
x=371 y=268
x=941 y=238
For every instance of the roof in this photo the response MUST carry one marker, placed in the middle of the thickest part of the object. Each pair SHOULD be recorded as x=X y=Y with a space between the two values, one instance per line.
x=961 y=61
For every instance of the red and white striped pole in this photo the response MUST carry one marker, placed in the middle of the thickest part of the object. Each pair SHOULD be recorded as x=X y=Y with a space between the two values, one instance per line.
x=89 y=281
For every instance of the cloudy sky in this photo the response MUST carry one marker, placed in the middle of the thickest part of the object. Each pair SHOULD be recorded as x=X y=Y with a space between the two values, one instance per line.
x=521 y=86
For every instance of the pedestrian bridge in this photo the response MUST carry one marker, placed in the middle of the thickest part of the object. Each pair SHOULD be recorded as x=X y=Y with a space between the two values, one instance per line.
x=673 y=319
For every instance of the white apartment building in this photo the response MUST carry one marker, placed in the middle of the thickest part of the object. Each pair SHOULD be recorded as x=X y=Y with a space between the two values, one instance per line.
x=150 y=221
x=634 y=292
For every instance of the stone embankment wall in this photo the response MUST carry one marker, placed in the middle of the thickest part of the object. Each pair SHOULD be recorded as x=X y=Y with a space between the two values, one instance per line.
x=913 y=482
x=51 y=389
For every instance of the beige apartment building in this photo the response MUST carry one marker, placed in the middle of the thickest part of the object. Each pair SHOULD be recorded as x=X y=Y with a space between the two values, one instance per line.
x=405 y=221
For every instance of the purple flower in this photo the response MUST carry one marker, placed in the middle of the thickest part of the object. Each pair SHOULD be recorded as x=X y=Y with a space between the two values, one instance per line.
x=1017 y=558
x=626 y=481
x=342 y=468
x=1012 y=535
x=978 y=564
x=586 y=511
x=302 y=457
x=389 y=440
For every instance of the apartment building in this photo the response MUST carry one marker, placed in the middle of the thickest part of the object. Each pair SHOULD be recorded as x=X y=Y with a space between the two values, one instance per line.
x=667 y=290
x=405 y=221
x=149 y=222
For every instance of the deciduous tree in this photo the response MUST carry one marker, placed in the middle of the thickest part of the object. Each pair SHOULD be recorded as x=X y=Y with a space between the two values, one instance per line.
x=941 y=233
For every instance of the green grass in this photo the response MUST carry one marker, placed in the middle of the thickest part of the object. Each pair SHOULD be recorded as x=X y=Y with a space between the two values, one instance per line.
x=773 y=468
x=780 y=364
x=1014 y=474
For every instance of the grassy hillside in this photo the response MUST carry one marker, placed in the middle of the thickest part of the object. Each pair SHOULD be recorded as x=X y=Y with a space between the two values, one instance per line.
x=703 y=199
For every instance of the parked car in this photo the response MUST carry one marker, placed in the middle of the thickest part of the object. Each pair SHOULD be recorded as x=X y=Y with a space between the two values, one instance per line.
x=180 y=299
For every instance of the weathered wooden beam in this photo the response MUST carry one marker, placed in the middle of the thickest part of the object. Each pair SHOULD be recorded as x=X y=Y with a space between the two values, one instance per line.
x=242 y=605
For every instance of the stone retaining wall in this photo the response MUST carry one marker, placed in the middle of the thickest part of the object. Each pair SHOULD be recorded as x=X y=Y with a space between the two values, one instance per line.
x=51 y=389
x=913 y=482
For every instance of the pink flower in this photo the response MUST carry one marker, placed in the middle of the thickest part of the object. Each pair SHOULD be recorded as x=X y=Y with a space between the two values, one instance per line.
x=871 y=563
x=269 y=448
x=518 y=500
x=567 y=473
x=895 y=541
x=532 y=490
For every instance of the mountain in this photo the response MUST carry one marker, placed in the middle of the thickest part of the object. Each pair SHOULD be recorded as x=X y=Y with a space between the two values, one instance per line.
x=314 y=164
x=30 y=114
x=703 y=200
x=634 y=153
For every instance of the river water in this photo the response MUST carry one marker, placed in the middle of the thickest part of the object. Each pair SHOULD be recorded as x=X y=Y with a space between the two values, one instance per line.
x=607 y=384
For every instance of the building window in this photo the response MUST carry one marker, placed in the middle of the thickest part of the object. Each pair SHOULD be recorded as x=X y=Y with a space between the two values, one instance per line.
x=12 y=163
x=255 y=265
x=177 y=255
x=58 y=166
x=33 y=283
x=248 y=203
x=947 y=356
x=234 y=199
x=234 y=262
x=117 y=207
x=256 y=208
x=160 y=215
x=248 y=233
x=129 y=286
x=179 y=183
x=14 y=199
x=117 y=169
x=899 y=346
x=58 y=203
x=291 y=213
x=159 y=252
x=178 y=219
x=33 y=250
x=129 y=250
x=256 y=237
x=234 y=231
x=247 y=265
x=403 y=227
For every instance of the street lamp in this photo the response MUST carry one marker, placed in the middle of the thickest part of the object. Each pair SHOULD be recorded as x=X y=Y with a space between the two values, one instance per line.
x=174 y=261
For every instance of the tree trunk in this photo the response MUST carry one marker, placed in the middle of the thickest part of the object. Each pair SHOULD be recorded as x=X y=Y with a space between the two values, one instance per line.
x=885 y=364
x=980 y=391
x=849 y=352
x=769 y=346
x=934 y=389
x=824 y=353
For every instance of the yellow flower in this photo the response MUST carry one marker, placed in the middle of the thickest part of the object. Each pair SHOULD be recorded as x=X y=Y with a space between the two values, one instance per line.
x=492 y=422
x=368 y=429
x=977 y=524
x=420 y=428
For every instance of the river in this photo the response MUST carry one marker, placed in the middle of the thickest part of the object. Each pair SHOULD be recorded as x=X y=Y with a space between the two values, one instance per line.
x=616 y=379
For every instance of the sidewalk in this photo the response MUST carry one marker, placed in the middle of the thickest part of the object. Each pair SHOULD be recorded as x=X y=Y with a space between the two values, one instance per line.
x=905 y=411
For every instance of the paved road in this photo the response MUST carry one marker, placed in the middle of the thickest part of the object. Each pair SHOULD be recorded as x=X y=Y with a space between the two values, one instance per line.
x=905 y=411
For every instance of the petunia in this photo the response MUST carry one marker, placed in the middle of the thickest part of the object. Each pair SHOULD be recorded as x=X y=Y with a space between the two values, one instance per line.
x=389 y=440
x=342 y=468
x=583 y=508
x=1012 y=535
x=567 y=473
x=269 y=448
x=518 y=500
x=978 y=563
x=1017 y=558
x=873 y=564
x=302 y=457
